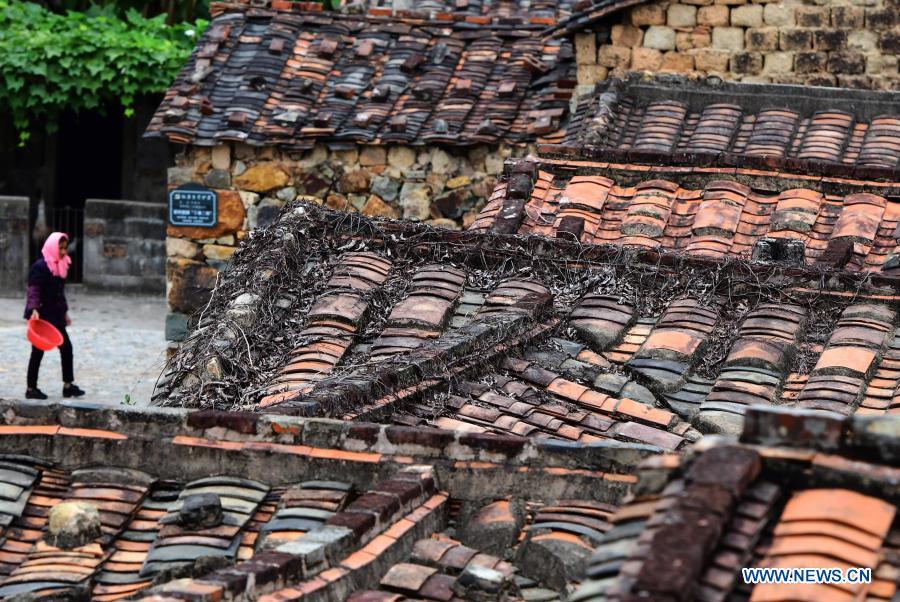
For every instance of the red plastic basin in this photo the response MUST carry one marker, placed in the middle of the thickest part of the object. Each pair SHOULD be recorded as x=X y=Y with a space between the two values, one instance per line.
x=44 y=335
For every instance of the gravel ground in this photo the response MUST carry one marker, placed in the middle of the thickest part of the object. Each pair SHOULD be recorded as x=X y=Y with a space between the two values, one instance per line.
x=119 y=344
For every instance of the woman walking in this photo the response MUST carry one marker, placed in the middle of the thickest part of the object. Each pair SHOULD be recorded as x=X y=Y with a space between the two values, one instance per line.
x=47 y=301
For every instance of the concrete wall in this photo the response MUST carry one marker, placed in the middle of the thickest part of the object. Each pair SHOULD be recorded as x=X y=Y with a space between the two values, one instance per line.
x=125 y=246
x=14 y=244
x=846 y=43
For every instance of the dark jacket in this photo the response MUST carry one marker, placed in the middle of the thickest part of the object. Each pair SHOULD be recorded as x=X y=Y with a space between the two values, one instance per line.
x=47 y=294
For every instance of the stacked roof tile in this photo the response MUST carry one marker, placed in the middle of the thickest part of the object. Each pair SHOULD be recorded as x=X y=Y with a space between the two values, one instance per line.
x=269 y=75
x=710 y=216
x=393 y=520
x=671 y=121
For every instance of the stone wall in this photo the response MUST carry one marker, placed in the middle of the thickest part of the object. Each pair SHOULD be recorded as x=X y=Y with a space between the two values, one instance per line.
x=847 y=43
x=434 y=185
x=123 y=245
x=14 y=245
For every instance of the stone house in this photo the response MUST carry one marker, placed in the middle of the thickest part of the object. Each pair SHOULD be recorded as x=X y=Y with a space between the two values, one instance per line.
x=845 y=43
x=391 y=113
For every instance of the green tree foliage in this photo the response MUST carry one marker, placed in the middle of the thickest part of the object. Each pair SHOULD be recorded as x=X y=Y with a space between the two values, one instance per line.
x=51 y=62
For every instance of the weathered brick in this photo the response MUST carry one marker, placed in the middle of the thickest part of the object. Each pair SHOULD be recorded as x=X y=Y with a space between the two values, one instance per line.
x=614 y=56
x=763 y=38
x=678 y=62
x=795 y=39
x=714 y=16
x=861 y=82
x=779 y=14
x=700 y=37
x=812 y=16
x=728 y=38
x=586 y=48
x=849 y=62
x=711 y=60
x=681 y=15
x=588 y=75
x=646 y=59
x=863 y=39
x=821 y=79
x=660 y=37
x=829 y=39
x=810 y=62
x=749 y=15
x=747 y=63
x=627 y=35
x=881 y=64
x=890 y=42
x=648 y=14
x=882 y=18
x=778 y=62
x=849 y=17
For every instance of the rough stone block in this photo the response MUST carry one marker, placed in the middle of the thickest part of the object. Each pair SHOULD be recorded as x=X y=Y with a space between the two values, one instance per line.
x=677 y=62
x=627 y=35
x=848 y=17
x=795 y=39
x=586 y=48
x=747 y=63
x=646 y=59
x=810 y=62
x=829 y=39
x=764 y=39
x=176 y=327
x=728 y=38
x=262 y=178
x=861 y=82
x=778 y=14
x=778 y=62
x=190 y=284
x=714 y=16
x=588 y=75
x=849 y=62
x=812 y=16
x=660 y=37
x=614 y=56
x=700 y=37
x=882 y=18
x=221 y=157
x=710 y=60
x=863 y=39
x=681 y=15
x=749 y=15
x=648 y=14
x=881 y=64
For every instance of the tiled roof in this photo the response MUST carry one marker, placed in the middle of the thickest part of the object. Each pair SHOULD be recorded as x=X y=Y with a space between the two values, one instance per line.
x=268 y=76
x=672 y=121
x=291 y=513
x=852 y=225
x=530 y=337
x=729 y=508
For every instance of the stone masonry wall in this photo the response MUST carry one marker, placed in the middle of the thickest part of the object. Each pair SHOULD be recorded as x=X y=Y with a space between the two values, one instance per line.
x=442 y=187
x=846 y=43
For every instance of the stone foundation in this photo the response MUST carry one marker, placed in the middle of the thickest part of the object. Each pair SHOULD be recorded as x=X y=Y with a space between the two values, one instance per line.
x=845 y=43
x=441 y=187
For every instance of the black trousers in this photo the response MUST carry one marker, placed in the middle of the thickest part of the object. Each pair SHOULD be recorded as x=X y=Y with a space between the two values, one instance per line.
x=65 y=354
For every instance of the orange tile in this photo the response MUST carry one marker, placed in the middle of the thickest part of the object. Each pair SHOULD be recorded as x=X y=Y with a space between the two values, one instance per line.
x=91 y=433
x=29 y=430
x=357 y=560
x=378 y=546
x=210 y=443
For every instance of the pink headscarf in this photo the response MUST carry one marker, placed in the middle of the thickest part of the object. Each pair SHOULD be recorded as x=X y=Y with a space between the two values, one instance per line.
x=50 y=251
